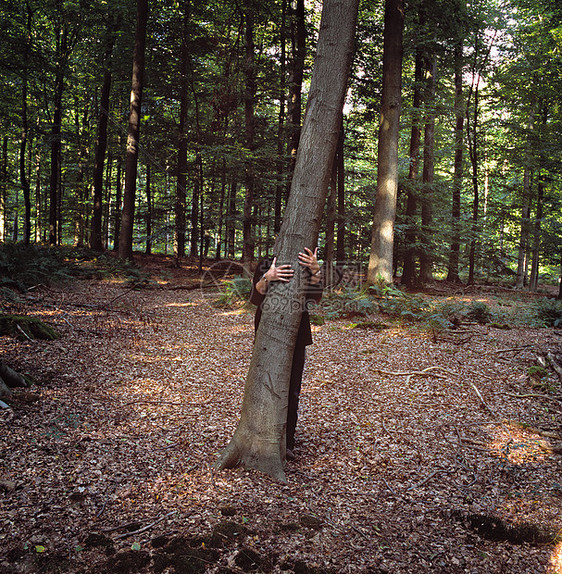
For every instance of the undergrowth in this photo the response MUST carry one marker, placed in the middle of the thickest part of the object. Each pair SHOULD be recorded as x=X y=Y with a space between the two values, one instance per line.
x=23 y=267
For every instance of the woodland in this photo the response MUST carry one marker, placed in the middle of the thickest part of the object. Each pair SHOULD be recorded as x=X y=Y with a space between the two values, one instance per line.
x=134 y=204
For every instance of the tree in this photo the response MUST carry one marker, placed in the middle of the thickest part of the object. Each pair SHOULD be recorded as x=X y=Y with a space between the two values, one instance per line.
x=382 y=241
x=127 y=219
x=259 y=440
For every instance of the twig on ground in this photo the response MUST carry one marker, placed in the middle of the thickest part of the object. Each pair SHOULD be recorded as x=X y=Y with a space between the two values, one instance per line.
x=389 y=487
x=484 y=404
x=509 y=350
x=428 y=478
x=557 y=400
x=423 y=373
x=147 y=527
x=24 y=333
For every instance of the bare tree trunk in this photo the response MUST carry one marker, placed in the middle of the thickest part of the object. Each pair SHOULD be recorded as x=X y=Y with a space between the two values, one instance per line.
x=453 y=267
x=148 y=249
x=180 y=206
x=249 y=98
x=426 y=255
x=24 y=133
x=96 y=242
x=382 y=242
x=339 y=160
x=3 y=189
x=259 y=440
x=409 y=270
x=127 y=220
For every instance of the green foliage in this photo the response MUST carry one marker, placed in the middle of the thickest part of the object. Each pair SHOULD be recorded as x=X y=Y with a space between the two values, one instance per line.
x=479 y=312
x=22 y=267
x=548 y=312
x=347 y=303
x=234 y=291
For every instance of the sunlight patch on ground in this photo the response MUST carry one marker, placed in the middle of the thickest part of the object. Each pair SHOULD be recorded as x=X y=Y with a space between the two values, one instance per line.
x=555 y=565
x=519 y=445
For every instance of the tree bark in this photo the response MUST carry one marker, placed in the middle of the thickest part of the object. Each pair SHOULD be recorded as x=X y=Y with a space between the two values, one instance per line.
x=426 y=255
x=127 y=219
x=382 y=241
x=3 y=189
x=259 y=440
x=180 y=206
x=409 y=270
x=96 y=242
x=453 y=266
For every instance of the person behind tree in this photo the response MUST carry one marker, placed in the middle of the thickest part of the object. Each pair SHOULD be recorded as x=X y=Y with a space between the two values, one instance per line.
x=267 y=272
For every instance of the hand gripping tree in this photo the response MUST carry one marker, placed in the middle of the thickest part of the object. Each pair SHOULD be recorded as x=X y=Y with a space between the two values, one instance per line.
x=259 y=440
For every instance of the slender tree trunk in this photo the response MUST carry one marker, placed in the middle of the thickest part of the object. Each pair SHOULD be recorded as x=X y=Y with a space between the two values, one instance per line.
x=329 y=247
x=55 y=224
x=409 y=270
x=340 y=166
x=180 y=206
x=281 y=123
x=218 y=250
x=118 y=206
x=127 y=220
x=148 y=249
x=231 y=221
x=522 y=261
x=426 y=255
x=3 y=189
x=96 y=241
x=249 y=99
x=382 y=242
x=26 y=189
x=453 y=267
x=534 y=279
x=259 y=440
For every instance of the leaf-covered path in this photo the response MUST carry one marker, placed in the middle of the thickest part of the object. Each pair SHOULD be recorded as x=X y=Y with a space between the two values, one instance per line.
x=413 y=455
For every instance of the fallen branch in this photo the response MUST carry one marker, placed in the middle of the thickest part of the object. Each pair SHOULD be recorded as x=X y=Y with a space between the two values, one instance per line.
x=484 y=404
x=428 y=478
x=509 y=350
x=147 y=527
x=24 y=333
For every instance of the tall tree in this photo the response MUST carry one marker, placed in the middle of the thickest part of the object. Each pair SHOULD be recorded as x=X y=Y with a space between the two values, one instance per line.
x=382 y=240
x=127 y=219
x=259 y=440
x=96 y=242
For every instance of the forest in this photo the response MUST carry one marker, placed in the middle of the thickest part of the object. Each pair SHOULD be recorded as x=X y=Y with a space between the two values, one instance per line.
x=152 y=152
x=220 y=95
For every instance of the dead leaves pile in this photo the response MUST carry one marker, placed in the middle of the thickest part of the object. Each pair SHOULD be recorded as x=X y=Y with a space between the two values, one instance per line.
x=412 y=455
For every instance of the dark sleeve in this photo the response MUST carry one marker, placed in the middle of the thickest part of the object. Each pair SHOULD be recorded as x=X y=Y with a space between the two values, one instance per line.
x=255 y=296
x=314 y=292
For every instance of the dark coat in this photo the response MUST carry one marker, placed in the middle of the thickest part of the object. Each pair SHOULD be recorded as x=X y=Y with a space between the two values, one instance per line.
x=313 y=295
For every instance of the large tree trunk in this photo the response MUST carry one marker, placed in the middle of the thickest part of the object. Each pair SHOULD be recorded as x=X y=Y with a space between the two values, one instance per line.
x=127 y=219
x=453 y=267
x=3 y=189
x=96 y=242
x=259 y=440
x=26 y=188
x=382 y=241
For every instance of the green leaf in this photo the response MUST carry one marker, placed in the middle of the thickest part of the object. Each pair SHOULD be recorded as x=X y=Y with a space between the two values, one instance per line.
x=135 y=546
x=40 y=549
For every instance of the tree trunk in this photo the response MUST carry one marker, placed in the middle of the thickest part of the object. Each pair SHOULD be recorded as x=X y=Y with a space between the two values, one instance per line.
x=294 y=102
x=3 y=189
x=409 y=270
x=259 y=440
x=26 y=189
x=249 y=98
x=127 y=219
x=426 y=255
x=148 y=249
x=522 y=262
x=180 y=207
x=340 y=240
x=534 y=279
x=382 y=241
x=96 y=242
x=231 y=221
x=55 y=226
x=453 y=267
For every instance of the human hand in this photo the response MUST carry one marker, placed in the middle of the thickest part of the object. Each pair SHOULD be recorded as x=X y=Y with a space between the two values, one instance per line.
x=282 y=273
x=309 y=260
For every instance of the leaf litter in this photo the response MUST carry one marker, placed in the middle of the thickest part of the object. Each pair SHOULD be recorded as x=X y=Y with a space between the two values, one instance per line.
x=414 y=454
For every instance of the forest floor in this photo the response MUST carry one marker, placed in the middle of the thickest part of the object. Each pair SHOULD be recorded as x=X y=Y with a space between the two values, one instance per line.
x=415 y=452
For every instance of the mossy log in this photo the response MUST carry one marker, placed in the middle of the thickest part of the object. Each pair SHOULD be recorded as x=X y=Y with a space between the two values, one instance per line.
x=23 y=327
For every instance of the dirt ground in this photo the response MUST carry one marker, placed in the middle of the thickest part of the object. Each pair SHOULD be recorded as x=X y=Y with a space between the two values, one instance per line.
x=414 y=453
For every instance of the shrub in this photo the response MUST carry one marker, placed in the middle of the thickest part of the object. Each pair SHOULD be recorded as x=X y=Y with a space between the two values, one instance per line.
x=549 y=312
x=479 y=312
x=234 y=291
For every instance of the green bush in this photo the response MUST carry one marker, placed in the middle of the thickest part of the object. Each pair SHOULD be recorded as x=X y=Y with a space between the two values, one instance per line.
x=548 y=312
x=479 y=312
x=234 y=291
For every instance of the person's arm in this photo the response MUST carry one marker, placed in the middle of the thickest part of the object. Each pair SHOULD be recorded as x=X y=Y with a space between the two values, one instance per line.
x=262 y=279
